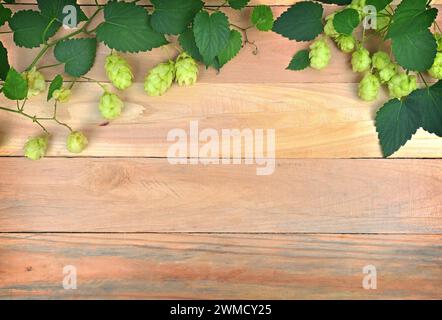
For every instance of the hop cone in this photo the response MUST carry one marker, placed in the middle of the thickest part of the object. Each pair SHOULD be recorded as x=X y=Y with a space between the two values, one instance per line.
x=369 y=87
x=119 y=71
x=186 y=70
x=360 y=60
x=402 y=85
x=36 y=82
x=388 y=72
x=438 y=38
x=380 y=60
x=62 y=95
x=110 y=106
x=35 y=148
x=347 y=44
x=320 y=54
x=160 y=79
x=436 y=69
x=76 y=142
x=329 y=28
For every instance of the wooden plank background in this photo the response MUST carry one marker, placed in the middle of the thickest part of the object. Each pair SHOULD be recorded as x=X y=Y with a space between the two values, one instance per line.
x=138 y=227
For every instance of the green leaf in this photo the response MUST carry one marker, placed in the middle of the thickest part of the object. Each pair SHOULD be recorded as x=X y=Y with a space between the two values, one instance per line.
x=16 y=87
x=238 y=4
x=231 y=50
x=4 y=63
x=28 y=27
x=396 y=122
x=56 y=84
x=415 y=51
x=262 y=18
x=300 y=61
x=301 y=22
x=411 y=16
x=127 y=28
x=174 y=16
x=5 y=14
x=346 y=21
x=53 y=9
x=211 y=33
x=78 y=55
x=187 y=42
x=429 y=101
x=378 y=4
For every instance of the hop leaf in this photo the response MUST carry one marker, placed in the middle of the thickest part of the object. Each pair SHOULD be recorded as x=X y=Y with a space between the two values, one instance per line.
x=127 y=28
x=35 y=148
x=320 y=54
x=118 y=71
x=76 y=142
x=262 y=18
x=186 y=70
x=110 y=106
x=160 y=79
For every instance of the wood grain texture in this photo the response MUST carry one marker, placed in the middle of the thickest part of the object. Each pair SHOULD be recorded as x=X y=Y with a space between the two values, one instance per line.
x=190 y=266
x=217 y=232
x=150 y=195
x=310 y=120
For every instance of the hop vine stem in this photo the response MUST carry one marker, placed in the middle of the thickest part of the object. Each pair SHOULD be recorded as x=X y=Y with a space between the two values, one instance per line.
x=36 y=119
x=40 y=55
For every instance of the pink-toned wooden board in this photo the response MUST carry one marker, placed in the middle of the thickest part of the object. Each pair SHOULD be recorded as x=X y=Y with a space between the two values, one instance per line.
x=137 y=227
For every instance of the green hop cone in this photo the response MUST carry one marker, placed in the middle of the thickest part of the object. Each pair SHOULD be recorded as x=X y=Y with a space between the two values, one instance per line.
x=369 y=87
x=36 y=82
x=186 y=70
x=119 y=71
x=76 y=142
x=358 y=5
x=35 y=148
x=160 y=79
x=438 y=38
x=388 y=72
x=360 y=60
x=380 y=60
x=62 y=95
x=110 y=106
x=402 y=85
x=320 y=54
x=436 y=69
x=346 y=43
x=329 y=28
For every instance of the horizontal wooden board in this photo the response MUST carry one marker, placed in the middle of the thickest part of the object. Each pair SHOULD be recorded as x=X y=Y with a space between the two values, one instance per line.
x=190 y=266
x=268 y=66
x=150 y=195
x=311 y=120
